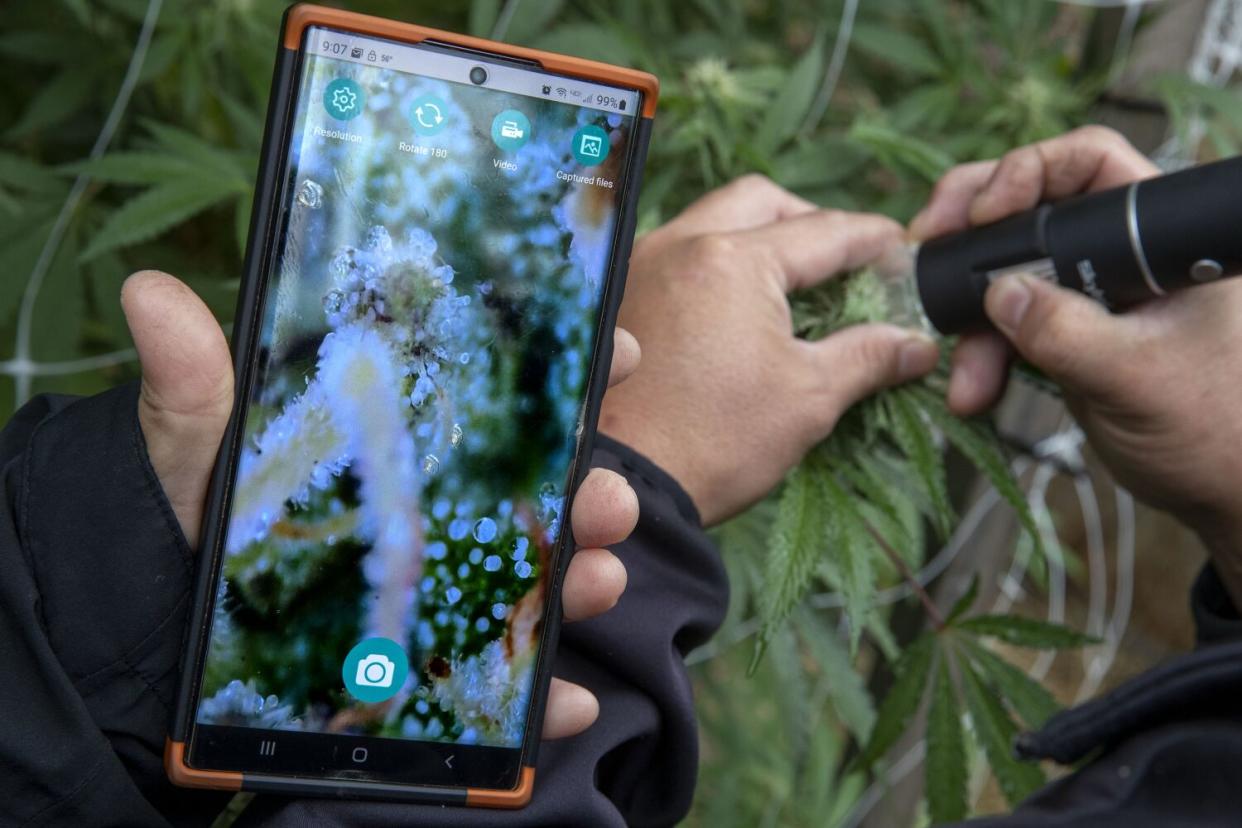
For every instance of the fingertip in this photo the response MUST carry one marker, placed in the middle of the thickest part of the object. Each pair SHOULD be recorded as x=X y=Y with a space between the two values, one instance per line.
x=140 y=284
x=977 y=378
x=594 y=583
x=185 y=358
x=571 y=710
x=946 y=210
x=626 y=356
x=917 y=357
x=920 y=227
x=605 y=510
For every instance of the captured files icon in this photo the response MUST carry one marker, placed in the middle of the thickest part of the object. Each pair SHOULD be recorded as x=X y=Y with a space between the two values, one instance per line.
x=591 y=145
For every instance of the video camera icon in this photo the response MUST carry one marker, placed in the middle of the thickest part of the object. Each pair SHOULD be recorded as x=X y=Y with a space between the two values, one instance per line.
x=511 y=130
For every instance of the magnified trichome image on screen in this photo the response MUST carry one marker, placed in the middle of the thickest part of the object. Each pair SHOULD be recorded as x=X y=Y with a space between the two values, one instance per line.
x=426 y=340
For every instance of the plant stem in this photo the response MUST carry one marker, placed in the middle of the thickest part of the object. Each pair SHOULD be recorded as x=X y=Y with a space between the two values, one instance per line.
x=929 y=606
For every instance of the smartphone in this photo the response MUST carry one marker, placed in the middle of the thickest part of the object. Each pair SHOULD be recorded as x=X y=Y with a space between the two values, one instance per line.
x=437 y=250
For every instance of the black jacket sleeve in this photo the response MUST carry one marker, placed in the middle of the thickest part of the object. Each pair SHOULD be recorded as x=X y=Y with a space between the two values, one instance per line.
x=93 y=604
x=1167 y=745
x=92 y=607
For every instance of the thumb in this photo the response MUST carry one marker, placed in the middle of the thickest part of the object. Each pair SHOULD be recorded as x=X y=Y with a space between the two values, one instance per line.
x=1069 y=337
x=856 y=362
x=187 y=387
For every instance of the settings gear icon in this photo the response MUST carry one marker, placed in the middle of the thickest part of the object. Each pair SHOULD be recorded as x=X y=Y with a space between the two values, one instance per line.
x=344 y=100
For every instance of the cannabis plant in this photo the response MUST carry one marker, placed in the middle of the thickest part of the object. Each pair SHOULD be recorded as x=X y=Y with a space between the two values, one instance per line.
x=853 y=105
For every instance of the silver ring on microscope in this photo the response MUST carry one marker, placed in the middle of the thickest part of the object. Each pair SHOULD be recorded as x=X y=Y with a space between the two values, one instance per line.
x=1136 y=241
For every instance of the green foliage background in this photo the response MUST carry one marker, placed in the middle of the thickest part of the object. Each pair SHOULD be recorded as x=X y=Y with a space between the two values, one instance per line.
x=747 y=86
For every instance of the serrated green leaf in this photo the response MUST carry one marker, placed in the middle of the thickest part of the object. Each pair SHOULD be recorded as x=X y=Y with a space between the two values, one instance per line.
x=1029 y=700
x=963 y=604
x=57 y=100
x=1026 y=632
x=945 y=766
x=796 y=546
x=135 y=168
x=25 y=174
x=851 y=548
x=846 y=689
x=210 y=161
x=791 y=686
x=247 y=123
x=902 y=701
x=805 y=166
x=482 y=19
x=56 y=324
x=995 y=731
x=981 y=447
x=901 y=149
x=896 y=48
x=156 y=210
x=106 y=274
x=21 y=252
x=915 y=440
x=531 y=19
x=782 y=119
x=587 y=40
x=43 y=48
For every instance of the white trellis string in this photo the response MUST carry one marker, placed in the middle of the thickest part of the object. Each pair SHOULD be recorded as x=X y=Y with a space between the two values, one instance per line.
x=21 y=367
x=836 y=64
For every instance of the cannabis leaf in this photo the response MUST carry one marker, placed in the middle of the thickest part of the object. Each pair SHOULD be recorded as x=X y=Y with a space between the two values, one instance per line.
x=946 y=752
x=183 y=175
x=798 y=535
x=862 y=493
x=902 y=700
x=958 y=672
x=1026 y=632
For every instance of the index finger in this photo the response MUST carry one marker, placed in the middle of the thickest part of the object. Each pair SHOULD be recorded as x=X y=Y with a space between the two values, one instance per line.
x=1086 y=160
x=812 y=247
x=948 y=209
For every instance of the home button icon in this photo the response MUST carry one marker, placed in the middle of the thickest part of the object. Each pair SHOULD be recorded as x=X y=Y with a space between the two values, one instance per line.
x=360 y=755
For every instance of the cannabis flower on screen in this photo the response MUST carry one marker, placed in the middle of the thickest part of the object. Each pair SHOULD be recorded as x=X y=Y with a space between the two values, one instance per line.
x=368 y=407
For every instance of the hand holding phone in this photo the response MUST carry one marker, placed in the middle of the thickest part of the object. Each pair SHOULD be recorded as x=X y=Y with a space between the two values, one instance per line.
x=422 y=343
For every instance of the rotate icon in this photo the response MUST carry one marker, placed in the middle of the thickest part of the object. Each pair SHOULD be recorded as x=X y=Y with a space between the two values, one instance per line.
x=428 y=114
x=343 y=99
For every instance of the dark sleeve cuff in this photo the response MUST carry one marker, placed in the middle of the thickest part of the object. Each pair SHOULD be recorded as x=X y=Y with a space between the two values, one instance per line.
x=1216 y=618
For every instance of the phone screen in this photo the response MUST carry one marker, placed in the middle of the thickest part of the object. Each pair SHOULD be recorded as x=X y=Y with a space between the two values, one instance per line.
x=429 y=324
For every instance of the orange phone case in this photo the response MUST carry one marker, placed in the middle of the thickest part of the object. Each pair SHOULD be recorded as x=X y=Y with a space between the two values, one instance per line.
x=296 y=21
